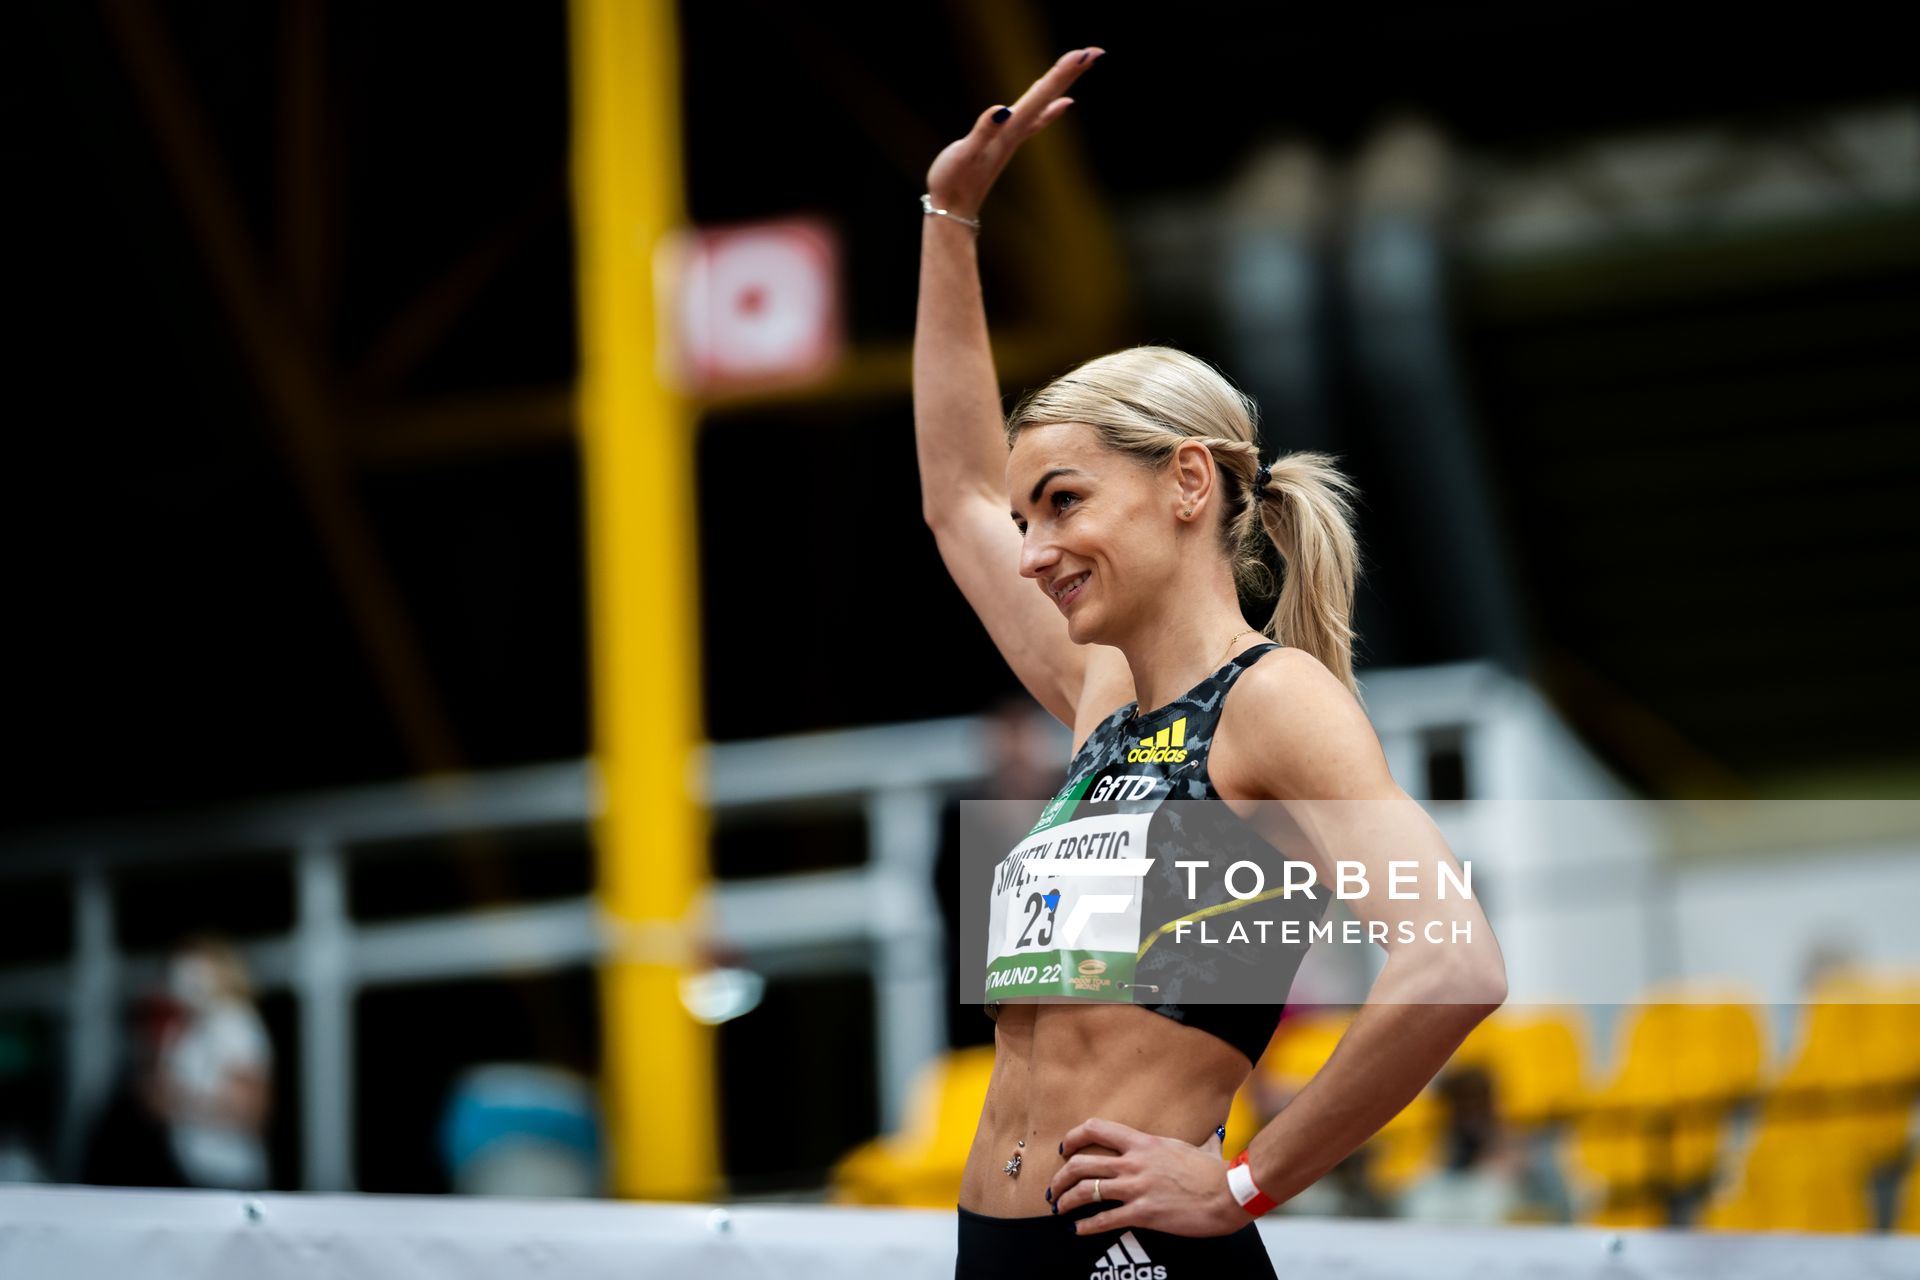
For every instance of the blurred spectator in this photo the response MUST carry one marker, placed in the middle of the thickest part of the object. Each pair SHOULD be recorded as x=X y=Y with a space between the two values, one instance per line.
x=512 y=1129
x=1479 y=1180
x=213 y=1083
x=1028 y=751
x=129 y=1144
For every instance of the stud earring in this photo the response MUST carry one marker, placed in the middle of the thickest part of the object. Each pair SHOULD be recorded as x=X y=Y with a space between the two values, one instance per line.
x=1187 y=512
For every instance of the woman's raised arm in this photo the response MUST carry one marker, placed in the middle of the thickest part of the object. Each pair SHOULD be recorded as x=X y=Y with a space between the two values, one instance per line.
x=958 y=428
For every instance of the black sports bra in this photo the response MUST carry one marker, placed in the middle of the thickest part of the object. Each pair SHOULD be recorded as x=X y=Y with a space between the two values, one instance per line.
x=1170 y=746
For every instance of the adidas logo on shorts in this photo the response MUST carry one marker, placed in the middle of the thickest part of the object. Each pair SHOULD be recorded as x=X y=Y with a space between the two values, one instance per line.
x=1126 y=1260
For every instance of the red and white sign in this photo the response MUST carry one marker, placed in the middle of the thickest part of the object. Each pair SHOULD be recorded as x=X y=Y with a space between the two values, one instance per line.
x=752 y=305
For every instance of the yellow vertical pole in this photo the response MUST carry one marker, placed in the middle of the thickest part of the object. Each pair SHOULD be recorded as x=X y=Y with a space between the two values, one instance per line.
x=637 y=440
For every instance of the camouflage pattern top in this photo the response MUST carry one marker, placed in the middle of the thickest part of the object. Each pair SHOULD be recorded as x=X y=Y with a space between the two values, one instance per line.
x=1133 y=763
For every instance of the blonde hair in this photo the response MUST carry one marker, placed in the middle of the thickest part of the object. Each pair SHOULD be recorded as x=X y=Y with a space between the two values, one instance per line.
x=231 y=977
x=1145 y=402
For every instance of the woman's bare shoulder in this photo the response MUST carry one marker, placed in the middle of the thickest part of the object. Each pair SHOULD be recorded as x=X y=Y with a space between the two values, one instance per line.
x=1292 y=729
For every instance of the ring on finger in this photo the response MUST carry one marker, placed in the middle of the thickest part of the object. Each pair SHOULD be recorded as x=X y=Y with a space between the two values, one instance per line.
x=1096 y=1191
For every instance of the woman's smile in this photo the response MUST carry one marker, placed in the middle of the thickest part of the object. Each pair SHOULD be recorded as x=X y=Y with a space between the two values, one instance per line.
x=1071 y=589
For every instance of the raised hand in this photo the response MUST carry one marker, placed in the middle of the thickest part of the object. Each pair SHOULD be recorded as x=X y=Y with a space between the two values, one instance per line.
x=965 y=171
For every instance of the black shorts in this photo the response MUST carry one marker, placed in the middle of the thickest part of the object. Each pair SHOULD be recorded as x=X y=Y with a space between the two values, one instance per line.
x=1045 y=1248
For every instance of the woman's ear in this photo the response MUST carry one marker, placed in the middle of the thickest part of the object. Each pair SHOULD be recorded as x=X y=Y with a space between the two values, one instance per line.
x=1194 y=474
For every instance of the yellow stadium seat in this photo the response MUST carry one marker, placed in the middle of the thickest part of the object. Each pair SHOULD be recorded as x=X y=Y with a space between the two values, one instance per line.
x=1408 y=1145
x=1627 y=1211
x=1688 y=1052
x=1642 y=1146
x=1786 y=1184
x=1405 y=1146
x=1658 y=1120
x=1535 y=1059
x=923 y=1163
x=1856 y=1063
x=1730 y=1210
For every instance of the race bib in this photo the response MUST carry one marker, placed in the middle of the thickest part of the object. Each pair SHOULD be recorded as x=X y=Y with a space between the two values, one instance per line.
x=1065 y=913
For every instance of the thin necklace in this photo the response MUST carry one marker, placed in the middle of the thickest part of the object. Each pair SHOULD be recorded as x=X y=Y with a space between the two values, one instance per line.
x=1230 y=639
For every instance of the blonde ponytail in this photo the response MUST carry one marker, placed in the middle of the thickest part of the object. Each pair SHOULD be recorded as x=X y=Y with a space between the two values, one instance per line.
x=1307 y=511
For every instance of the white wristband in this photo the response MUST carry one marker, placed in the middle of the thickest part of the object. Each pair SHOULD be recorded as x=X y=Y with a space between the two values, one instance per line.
x=1240 y=1182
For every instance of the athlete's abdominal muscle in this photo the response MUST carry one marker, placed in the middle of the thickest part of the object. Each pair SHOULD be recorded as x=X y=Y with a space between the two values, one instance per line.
x=1058 y=1064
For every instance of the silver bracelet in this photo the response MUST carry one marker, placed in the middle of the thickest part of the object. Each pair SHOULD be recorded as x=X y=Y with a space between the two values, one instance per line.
x=926 y=206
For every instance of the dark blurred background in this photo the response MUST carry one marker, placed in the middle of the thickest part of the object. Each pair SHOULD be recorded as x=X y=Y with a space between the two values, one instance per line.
x=261 y=477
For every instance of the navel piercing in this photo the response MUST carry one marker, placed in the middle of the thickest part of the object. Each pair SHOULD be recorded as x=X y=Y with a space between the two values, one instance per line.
x=1013 y=1166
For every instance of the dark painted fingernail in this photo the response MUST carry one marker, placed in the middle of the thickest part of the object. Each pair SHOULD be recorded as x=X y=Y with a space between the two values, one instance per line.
x=1000 y=116
x=1049 y=1195
x=1063 y=1148
x=1080 y=59
x=1056 y=1208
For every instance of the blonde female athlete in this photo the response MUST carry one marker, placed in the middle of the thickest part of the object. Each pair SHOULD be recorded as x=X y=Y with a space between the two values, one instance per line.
x=1100 y=534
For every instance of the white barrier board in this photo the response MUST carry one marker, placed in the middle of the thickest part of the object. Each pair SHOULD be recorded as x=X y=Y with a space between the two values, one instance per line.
x=71 y=1233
